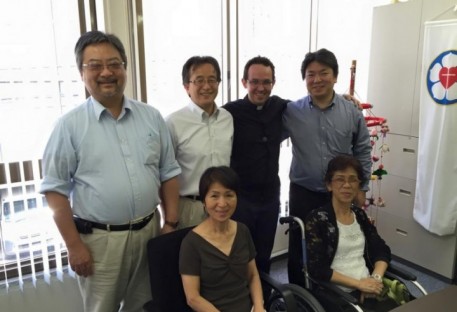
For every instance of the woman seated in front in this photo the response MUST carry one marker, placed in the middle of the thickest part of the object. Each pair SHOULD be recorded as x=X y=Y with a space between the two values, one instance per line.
x=342 y=244
x=217 y=258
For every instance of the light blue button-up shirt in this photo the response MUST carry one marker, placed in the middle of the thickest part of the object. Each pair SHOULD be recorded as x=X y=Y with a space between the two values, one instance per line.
x=318 y=135
x=111 y=169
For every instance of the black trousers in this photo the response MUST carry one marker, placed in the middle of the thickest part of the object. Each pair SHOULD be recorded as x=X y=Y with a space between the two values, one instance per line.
x=301 y=202
x=262 y=219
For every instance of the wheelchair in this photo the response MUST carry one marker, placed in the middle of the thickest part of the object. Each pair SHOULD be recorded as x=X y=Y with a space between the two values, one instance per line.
x=331 y=297
x=168 y=293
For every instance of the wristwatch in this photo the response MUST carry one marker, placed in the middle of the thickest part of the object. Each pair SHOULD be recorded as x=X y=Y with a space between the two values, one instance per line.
x=172 y=224
x=377 y=277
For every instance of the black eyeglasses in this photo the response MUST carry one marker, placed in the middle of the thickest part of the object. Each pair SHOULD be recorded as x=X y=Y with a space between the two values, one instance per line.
x=98 y=67
x=257 y=82
x=201 y=82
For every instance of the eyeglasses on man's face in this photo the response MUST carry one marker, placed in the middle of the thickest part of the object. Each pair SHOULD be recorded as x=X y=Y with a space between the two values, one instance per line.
x=199 y=82
x=98 y=67
x=342 y=180
x=256 y=82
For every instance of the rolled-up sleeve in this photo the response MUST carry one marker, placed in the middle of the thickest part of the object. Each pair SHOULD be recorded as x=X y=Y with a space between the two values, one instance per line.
x=59 y=162
x=168 y=166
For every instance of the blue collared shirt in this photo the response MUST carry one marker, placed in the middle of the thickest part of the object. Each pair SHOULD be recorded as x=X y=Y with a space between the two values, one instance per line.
x=111 y=169
x=319 y=135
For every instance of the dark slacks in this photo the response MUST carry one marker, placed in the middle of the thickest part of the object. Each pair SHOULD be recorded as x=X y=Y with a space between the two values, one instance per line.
x=262 y=219
x=301 y=202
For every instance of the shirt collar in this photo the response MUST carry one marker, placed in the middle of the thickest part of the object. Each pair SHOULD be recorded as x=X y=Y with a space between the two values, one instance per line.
x=99 y=108
x=194 y=108
x=311 y=105
x=256 y=107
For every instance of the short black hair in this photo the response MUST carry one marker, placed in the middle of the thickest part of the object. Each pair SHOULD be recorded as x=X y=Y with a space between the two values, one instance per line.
x=96 y=37
x=342 y=162
x=259 y=60
x=224 y=175
x=196 y=61
x=322 y=56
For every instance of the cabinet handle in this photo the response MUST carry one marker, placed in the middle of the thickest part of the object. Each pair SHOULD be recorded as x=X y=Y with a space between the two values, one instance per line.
x=404 y=192
x=401 y=232
x=409 y=150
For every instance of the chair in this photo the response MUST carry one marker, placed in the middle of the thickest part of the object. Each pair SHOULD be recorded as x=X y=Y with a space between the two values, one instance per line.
x=331 y=297
x=166 y=286
x=168 y=293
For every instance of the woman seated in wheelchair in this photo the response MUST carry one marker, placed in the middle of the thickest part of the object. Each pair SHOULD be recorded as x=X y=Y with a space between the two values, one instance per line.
x=217 y=258
x=343 y=246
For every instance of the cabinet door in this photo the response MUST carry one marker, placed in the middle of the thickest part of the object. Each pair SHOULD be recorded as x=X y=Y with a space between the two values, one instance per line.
x=410 y=241
x=401 y=160
x=398 y=195
x=392 y=76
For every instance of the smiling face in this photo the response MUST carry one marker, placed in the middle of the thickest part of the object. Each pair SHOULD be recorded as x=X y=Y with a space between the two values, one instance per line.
x=259 y=83
x=320 y=80
x=205 y=94
x=106 y=86
x=344 y=185
x=220 y=202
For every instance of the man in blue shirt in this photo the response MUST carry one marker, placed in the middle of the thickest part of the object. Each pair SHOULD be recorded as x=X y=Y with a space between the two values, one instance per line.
x=321 y=126
x=104 y=167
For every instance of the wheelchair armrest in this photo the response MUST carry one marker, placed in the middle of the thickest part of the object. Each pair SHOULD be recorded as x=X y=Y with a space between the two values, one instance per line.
x=286 y=293
x=338 y=291
x=396 y=272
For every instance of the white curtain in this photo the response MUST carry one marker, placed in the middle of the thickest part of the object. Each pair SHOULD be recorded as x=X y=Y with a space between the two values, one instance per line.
x=435 y=205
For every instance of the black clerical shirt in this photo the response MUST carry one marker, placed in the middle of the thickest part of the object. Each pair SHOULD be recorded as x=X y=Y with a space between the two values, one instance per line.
x=256 y=144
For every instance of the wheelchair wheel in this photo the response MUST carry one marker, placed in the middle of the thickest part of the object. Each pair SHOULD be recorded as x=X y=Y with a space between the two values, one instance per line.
x=305 y=301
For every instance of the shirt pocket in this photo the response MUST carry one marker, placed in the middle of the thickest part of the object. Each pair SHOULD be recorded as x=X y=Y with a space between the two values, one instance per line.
x=151 y=149
x=341 y=141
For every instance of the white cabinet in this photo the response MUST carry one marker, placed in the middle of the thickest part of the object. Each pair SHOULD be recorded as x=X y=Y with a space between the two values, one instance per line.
x=398 y=195
x=392 y=73
x=410 y=241
x=401 y=160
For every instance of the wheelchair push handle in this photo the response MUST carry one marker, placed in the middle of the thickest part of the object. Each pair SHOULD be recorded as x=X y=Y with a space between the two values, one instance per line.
x=291 y=220
x=288 y=219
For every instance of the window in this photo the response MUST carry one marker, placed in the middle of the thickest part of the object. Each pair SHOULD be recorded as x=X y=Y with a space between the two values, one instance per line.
x=194 y=27
x=39 y=81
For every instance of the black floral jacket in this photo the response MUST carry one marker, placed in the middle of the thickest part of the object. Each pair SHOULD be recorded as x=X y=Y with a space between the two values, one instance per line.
x=322 y=241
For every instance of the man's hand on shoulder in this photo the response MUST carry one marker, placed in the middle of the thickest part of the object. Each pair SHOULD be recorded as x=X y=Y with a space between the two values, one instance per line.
x=353 y=99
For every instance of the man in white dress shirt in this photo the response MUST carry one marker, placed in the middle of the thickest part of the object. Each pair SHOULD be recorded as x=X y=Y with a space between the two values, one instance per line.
x=201 y=134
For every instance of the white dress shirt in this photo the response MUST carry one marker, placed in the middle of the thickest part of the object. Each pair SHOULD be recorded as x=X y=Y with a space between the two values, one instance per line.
x=200 y=141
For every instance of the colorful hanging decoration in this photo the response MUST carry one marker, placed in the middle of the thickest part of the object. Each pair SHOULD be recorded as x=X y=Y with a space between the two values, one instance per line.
x=378 y=129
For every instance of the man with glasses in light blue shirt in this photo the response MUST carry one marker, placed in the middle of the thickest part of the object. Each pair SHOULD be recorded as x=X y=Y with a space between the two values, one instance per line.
x=104 y=166
x=202 y=134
